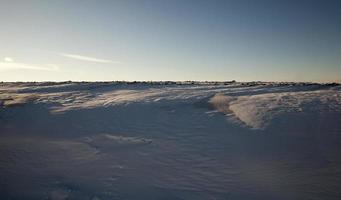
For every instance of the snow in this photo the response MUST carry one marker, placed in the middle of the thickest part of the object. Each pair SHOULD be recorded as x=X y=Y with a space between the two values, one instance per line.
x=170 y=141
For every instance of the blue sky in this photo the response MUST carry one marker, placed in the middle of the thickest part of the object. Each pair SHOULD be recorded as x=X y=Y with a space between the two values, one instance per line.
x=244 y=40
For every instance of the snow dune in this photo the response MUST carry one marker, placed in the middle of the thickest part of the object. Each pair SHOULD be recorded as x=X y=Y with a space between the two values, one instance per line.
x=257 y=111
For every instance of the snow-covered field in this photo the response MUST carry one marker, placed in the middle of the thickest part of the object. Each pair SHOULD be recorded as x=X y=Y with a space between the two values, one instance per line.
x=154 y=141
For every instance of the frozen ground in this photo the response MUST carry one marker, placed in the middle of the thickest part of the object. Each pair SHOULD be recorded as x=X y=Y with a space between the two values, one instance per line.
x=150 y=141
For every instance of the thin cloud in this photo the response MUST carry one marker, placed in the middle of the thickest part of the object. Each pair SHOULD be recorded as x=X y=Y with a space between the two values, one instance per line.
x=89 y=59
x=8 y=59
x=15 y=66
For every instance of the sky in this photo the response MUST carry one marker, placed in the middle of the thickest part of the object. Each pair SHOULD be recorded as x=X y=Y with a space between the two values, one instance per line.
x=243 y=40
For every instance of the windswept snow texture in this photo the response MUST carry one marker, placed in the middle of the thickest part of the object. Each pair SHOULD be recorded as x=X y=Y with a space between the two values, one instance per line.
x=179 y=141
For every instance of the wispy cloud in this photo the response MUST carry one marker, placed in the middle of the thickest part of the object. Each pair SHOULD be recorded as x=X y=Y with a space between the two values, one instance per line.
x=89 y=59
x=9 y=64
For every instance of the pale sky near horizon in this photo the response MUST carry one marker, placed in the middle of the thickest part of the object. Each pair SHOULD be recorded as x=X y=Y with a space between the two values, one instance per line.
x=244 y=40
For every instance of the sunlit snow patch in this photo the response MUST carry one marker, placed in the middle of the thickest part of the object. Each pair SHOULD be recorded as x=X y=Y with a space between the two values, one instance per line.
x=257 y=111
